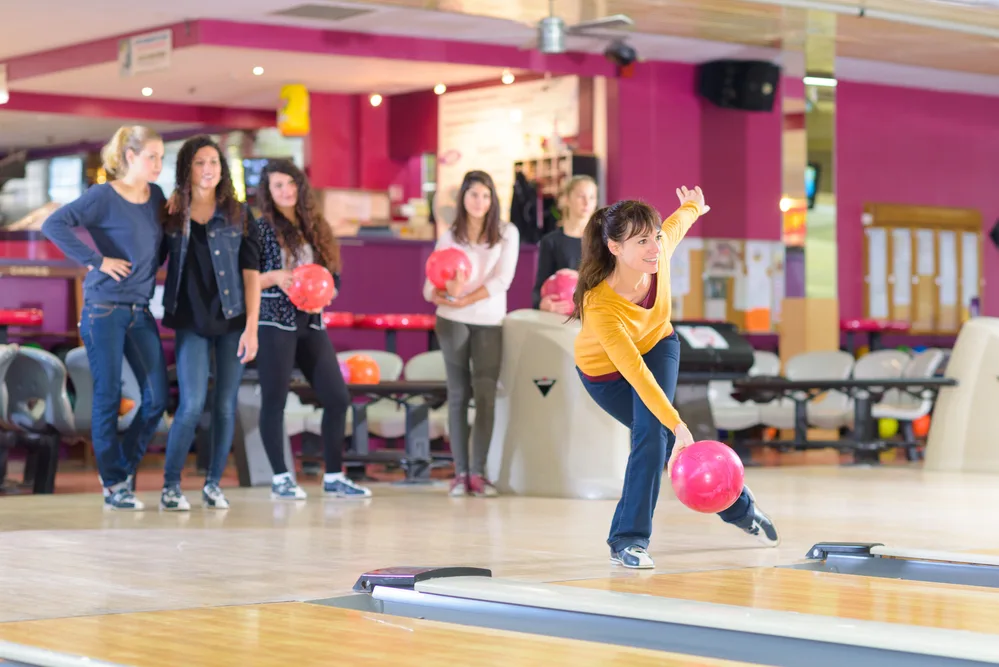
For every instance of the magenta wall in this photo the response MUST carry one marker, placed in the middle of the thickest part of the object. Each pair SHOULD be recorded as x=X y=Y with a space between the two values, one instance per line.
x=653 y=135
x=912 y=146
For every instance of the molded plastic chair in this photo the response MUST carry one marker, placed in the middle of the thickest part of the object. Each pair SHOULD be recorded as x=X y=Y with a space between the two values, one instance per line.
x=39 y=409
x=899 y=404
x=730 y=414
x=824 y=365
x=78 y=366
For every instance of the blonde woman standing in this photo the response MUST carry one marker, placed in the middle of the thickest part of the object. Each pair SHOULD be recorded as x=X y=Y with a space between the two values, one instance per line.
x=562 y=249
x=123 y=217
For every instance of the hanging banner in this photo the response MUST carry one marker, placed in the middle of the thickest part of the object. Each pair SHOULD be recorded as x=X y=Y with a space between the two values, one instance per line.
x=145 y=53
x=293 y=114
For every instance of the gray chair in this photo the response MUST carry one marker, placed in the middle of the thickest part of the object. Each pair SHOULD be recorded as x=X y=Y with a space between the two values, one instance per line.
x=78 y=366
x=40 y=411
x=7 y=354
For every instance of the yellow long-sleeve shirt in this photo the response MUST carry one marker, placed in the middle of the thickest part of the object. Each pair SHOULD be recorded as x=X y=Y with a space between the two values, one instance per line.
x=617 y=332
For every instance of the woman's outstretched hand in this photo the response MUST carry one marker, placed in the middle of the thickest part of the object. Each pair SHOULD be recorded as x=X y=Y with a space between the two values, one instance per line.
x=694 y=195
x=684 y=439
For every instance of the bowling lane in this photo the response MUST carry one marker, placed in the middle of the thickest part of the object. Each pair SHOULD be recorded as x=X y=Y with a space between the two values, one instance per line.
x=308 y=634
x=934 y=605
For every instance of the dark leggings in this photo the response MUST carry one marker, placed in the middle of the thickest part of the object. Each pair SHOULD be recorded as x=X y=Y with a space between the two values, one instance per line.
x=310 y=350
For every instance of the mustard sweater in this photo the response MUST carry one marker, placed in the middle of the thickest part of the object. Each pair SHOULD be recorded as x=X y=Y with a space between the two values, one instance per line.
x=616 y=332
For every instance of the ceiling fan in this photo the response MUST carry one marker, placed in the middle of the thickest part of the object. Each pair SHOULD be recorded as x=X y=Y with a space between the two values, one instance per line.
x=552 y=30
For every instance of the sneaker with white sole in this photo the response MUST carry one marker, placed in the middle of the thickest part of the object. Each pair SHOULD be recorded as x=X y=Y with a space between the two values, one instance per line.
x=481 y=487
x=339 y=486
x=123 y=500
x=286 y=489
x=633 y=557
x=212 y=497
x=758 y=524
x=172 y=500
x=459 y=486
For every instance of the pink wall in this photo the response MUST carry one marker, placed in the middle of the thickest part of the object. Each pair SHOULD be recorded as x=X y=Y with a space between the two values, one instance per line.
x=741 y=172
x=653 y=135
x=911 y=146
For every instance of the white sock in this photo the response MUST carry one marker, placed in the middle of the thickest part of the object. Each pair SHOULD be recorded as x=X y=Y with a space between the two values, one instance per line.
x=331 y=477
x=280 y=478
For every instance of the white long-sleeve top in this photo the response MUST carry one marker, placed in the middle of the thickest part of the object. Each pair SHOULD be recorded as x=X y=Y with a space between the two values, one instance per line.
x=493 y=268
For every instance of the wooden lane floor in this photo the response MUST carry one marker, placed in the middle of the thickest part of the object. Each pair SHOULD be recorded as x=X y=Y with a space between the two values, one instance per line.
x=943 y=606
x=308 y=634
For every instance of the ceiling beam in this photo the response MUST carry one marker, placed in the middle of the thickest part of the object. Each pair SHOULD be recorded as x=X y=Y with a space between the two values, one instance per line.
x=163 y=112
x=87 y=54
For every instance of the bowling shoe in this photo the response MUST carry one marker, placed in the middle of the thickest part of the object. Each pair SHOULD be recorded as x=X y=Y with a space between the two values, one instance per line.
x=480 y=486
x=758 y=524
x=634 y=557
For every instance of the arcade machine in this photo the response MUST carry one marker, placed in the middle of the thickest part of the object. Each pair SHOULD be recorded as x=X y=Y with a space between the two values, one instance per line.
x=551 y=439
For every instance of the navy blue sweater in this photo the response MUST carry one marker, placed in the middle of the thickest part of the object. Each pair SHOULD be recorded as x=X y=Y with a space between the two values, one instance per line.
x=120 y=230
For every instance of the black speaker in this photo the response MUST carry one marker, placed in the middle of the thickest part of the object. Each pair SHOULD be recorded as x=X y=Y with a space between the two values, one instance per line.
x=747 y=85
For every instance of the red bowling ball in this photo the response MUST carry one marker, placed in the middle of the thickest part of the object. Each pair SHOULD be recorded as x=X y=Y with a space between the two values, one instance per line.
x=561 y=285
x=312 y=287
x=443 y=265
x=707 y=476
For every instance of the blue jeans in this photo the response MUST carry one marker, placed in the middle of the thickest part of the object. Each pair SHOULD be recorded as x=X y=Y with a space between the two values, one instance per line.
x=112 y=332
x=194 y=356
x=651 y=445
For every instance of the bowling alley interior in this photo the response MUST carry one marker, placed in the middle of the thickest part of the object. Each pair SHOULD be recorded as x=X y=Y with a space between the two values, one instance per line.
x=308 y=349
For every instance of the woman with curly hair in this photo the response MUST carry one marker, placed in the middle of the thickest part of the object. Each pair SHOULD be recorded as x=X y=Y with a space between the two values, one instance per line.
x=212 y=300
x=293 y=232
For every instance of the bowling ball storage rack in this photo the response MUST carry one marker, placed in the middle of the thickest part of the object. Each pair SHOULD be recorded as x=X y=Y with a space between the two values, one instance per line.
x=864 y=392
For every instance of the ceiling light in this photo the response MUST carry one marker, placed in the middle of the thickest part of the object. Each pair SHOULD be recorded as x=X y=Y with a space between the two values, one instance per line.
x=147 y=91
x=507 y=77
x=4 y=97
x=820 y=81
x=375 y=99
x=440 y=88
x=258 y=70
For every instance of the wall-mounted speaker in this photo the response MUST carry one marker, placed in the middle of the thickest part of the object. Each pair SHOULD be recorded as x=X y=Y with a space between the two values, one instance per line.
x=747 y=85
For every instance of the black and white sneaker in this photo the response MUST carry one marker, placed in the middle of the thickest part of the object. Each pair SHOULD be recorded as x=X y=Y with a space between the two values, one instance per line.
x=760 y=525
x=172 y=500
x=634 y=557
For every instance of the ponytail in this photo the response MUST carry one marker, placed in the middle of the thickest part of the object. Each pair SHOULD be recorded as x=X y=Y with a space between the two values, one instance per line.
x=617 y=222
x=597 y=261
x=133 y=138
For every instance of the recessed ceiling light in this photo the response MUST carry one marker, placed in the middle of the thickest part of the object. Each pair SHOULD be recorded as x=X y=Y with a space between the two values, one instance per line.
x=375 y=99
x=147 y=91
x=440 y=89
x=258 y=70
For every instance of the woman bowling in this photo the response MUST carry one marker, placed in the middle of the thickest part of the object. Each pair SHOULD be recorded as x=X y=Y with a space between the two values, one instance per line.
x=562 y=249
x=124 y=219
x=470 y=314
x=628 y=355
x=292 y=233
x=212 y=301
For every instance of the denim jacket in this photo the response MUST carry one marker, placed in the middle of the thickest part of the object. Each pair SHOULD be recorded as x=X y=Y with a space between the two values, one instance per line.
x=224 y=239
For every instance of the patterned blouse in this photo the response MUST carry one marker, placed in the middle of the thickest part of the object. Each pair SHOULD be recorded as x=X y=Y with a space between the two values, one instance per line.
x=276 y=309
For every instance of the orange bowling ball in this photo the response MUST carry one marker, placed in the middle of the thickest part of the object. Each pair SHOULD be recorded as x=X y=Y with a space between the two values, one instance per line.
x=363 y=370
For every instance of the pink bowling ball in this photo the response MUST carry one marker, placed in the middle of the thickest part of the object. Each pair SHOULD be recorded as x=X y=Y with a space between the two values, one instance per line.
x=561 y=285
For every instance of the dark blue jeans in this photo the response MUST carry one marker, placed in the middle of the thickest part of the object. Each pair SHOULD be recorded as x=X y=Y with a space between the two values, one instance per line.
x=110 y=333
x=194 y=359
x=651 y=445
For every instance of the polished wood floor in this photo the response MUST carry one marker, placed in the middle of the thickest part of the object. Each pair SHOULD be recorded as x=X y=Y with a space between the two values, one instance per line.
x=65 y=556
x=844 y=596
x=307 y=634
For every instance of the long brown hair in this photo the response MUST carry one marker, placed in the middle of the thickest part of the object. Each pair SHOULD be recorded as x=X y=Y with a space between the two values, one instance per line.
x=225 y=191
x=311 y=227
x=617 y=222
x=491 y=226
